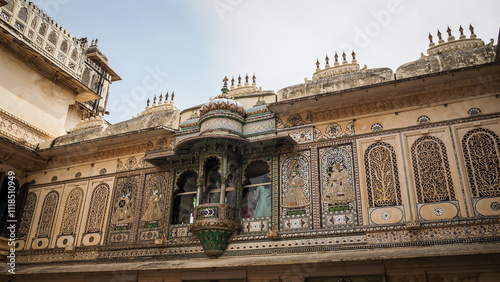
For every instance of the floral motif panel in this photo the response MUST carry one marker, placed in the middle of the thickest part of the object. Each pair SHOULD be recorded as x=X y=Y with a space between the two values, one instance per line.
x=27 y=217
x=382 y=178
x=432 y=172
x=71 y=212
x=47 y=215
x=97 y=210
x=482 y=158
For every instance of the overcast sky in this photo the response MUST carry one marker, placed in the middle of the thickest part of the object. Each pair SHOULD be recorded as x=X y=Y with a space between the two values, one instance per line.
x=189 y=46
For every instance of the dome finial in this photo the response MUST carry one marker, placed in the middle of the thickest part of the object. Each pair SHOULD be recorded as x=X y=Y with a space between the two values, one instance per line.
x=225 y=81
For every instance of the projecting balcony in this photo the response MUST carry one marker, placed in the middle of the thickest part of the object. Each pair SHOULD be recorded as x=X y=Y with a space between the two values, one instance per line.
x=213 y=225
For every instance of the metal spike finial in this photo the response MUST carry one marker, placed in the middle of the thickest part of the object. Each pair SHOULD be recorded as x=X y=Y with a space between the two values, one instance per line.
x=254 y=78
x=97 y=39
x=147 y=103
x=353 y=55
x=430 y=38
x=166 y=97
x=172 y=98
x=239 y=79
x=317 y=63
x=327 y=59
x=343 y=55
x=232 y=81
x=461 y=30
x=448 y=30
x=439 y=35
x=246 y=78
x=336 y=57
x=161 y=96
x=154 y=100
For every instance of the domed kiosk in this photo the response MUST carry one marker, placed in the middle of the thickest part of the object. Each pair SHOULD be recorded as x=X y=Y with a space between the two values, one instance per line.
x=214 y=145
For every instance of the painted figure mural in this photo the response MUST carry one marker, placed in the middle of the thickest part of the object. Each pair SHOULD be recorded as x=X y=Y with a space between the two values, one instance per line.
x=295 y=183
x=338 y=189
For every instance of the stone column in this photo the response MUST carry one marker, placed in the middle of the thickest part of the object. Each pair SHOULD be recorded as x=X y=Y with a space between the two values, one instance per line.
x=223 y=191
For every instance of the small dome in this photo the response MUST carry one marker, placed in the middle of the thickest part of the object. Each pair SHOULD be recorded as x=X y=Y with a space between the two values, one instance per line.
x=223 y=103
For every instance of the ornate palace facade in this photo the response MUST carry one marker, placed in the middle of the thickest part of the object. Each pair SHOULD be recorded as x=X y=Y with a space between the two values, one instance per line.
x=358 y=174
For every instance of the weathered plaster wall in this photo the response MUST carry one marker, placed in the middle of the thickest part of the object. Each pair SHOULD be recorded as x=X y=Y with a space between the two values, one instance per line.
x=33 y=98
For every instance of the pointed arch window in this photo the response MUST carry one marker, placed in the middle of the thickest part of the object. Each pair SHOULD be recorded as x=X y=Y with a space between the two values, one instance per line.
x=185 y=198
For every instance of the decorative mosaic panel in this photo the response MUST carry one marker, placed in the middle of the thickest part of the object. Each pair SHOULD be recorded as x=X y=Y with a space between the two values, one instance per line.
x=338 y=197
x=382 y=178
x=130 y=164
x=302 y=136
x=48 y=214
x=296 y=192
x=97 y=210
x=255 y=225
x=221 y=123
x=259 y=127
x=482 y=158
x=180 y=230
x=295 y=120
x=71 y=213
x=153 y=204
x=27 y=217
x=124 y=209
x=295 y=197
x=432 y=172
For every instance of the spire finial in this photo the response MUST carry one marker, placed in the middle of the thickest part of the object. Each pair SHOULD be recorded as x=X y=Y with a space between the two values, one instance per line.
x=154 y=100
x=172 y=97
x=462 y=36
x=450 y=37
x=344 y=61
x=430 y=38
x=239 y=80
x=246 y=78
x=232 y=81
x=97 y=39
x=317 y=63
x=353 y=55
x=439 y=35
x=161 y=97
x=147 y=103
x=92 y=44
x=471 y=28
x=327 y=60
x=166 y=97
x=225 y=81
x=254 y=78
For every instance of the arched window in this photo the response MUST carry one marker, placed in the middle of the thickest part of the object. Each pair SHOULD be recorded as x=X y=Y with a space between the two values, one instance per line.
x=432 y=172
x=185 y=198
x=71 y=212
x=212 y=179
x=382 y=178
x=257 y=194
x=97 y=210
x=48 y=214
x=482 y=158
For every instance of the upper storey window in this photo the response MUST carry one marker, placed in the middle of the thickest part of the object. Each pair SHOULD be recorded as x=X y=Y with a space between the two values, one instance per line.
x=257 y=190
x=185 y=198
